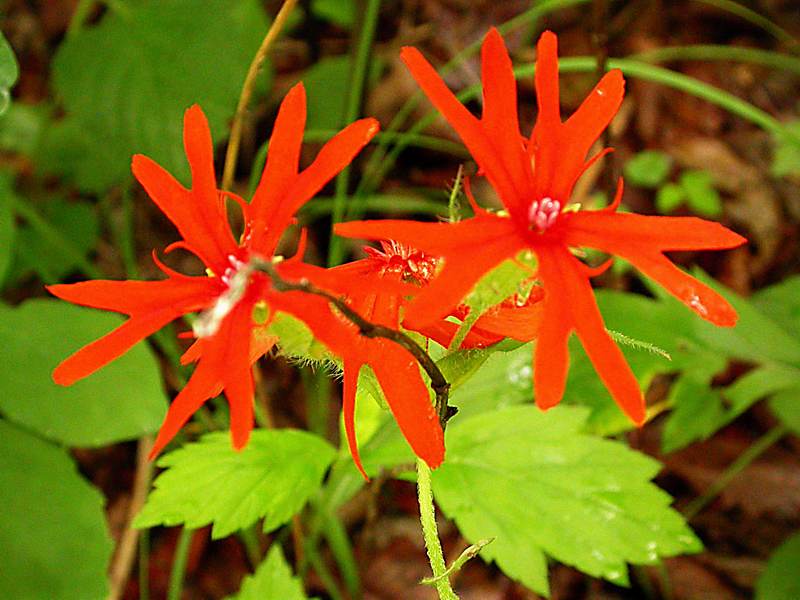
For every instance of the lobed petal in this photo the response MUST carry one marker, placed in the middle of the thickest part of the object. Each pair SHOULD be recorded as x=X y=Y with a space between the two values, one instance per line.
x=469 y=128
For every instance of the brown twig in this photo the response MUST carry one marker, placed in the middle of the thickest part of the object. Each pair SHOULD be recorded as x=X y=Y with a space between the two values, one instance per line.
x=120 y=569
x=232 y=152
x=368 y=329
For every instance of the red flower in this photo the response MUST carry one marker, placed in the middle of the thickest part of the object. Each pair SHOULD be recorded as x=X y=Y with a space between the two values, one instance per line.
x=534 y=179
x=228 y=297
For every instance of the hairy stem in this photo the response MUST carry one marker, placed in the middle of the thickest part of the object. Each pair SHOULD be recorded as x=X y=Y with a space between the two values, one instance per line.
x=427 y=516
x=232 y=152
x=439 y=384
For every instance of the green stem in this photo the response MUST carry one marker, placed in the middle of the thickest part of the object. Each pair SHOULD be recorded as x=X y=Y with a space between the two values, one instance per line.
x=249 y=538
x=322 y=571
x=353 y=107
x=393 y=203
x=752 y=17
x=54 y=237
x=757 y=56
x=427 y=516
x=179 y=564
x=760 y=446
x=144 y=564
x=126 y=236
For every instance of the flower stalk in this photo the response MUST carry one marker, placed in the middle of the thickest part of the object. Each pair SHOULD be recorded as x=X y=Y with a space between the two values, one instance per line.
x=427 y=516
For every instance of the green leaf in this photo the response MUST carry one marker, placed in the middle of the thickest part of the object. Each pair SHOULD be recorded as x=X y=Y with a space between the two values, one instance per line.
x=327 y=84
x=698 y=412
x=669 y=197
x=126 y=82
x=273 y=579
x=209 y=482
x=21 y=128
x=782 y=303
x=76 y=221
x=755 y=338
x=648 y=169
x=7 y=223
x=9 y=71
x=539 y=486
x=786 y=158
x=121 y=401
x=295 y=339
x=52 y=527
x=502 y=282
x=340 y=12
x=781 y=578
x=786 y=406
x=700 y=193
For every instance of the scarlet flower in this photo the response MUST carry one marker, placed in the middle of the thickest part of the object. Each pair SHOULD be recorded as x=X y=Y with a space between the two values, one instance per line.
x=534 y=179
x=227 y=298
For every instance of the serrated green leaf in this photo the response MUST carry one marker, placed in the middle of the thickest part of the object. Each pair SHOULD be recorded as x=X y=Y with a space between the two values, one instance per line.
x=648 y=169
x=121 y=401
x=669 y=197
x=700 y=193
x=272 y=579
x=786 y=157
x=502 y=282
x=52 y=526
x=9 y=71
x=781 y=578
x=295 y=339
x=541 y=487
x=504 y=379
x=127 y=81
x=786 y=406
x=208 y=482
x=7 y=224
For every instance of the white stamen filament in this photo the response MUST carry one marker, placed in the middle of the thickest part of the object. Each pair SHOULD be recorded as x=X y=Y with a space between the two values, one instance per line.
x=236 y=277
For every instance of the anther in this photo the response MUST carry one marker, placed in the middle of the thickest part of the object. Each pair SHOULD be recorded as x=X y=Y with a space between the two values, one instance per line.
x=543 y=213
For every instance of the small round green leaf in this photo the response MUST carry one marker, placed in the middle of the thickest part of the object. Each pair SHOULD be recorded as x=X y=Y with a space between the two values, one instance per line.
x=700 y=193
x=648 y=169
x=669 y=197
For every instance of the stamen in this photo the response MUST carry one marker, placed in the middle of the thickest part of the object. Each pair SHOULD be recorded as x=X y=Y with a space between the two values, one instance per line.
x=236 y=277
x=543 y=213
x=695 y=303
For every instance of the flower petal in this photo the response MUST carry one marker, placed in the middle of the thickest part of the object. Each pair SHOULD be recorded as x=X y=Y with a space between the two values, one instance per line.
x=350 y=385
x=570 y=304
x=610 y=231
x=469 y=128
x=198 y=214
x=224 y=364
x=334 y=156
x=151 y=304
x=282 y=164
x=409 y=400
x=500 y=119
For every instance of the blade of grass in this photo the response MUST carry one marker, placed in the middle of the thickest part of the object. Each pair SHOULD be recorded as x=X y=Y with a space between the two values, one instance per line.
x=753 y=17
x=757 y=56
x=352 y=110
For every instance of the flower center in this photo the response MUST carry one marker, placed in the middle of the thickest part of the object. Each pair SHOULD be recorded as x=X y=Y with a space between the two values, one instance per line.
x=543 y=213
x=236 y=277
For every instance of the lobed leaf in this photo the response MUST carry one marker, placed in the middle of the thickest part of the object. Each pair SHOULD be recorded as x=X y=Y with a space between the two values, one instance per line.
x=272 y=579
x=207 y=482
x=542 y=488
